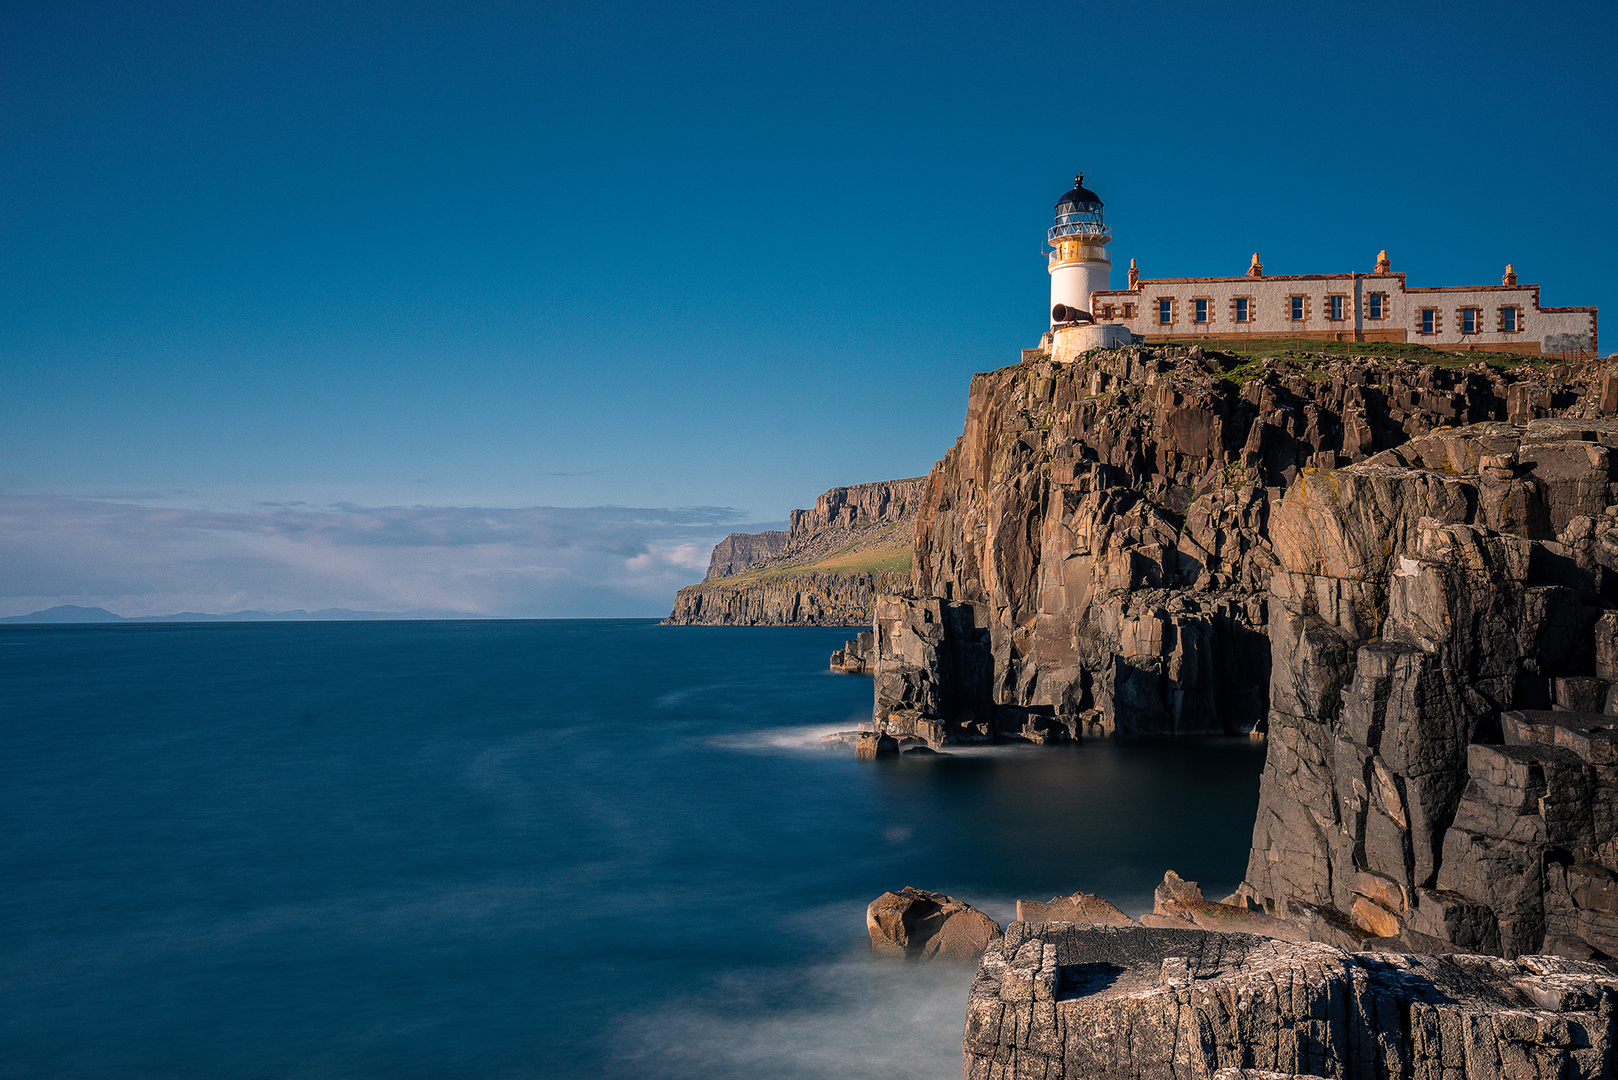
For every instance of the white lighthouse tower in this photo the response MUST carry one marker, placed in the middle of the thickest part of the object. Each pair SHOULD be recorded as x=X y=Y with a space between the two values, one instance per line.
x=1079 y=262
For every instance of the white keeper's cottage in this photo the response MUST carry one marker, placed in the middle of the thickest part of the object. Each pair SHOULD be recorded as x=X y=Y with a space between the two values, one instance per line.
x=1373 y=306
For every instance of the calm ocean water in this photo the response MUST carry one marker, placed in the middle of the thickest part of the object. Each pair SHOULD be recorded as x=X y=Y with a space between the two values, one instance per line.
x=519 y=849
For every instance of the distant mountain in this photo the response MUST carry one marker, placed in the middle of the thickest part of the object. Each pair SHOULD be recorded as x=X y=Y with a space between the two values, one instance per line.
x=72 y=613
x=67 y=613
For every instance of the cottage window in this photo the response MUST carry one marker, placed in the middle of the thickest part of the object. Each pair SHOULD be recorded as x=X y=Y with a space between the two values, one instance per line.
x=1469 y=320
x=1129 y=311
x=1202 y=311
x=1165 y=311
x=1508 y=320
x=1244 y=309
x=1297 y=309
x=1334 y=308
x=1375 y=306
x=1429 y=320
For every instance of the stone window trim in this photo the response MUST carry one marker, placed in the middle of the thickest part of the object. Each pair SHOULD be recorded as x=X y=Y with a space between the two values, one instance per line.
x=1438 y=320
x=1129 y=311
x=1308 y=304
x=1345 y=304
x=1477 y=319
x=1207 y=310
x=1157 y=307
x=1500 y=319
x=1384 y=298
x=1250 y=306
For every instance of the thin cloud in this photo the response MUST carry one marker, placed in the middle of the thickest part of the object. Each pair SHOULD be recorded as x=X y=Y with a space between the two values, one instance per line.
x=136 y=559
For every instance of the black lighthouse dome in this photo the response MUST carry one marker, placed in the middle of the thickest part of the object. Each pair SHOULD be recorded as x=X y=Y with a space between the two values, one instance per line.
x=1080 y=198
x=1078 y=216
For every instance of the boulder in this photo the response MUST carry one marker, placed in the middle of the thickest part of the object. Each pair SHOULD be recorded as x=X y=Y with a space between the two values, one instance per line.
x=870 y=745
x=919 y=925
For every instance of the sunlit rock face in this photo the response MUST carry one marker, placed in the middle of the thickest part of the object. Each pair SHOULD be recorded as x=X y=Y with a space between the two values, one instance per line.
x=1060 y=1001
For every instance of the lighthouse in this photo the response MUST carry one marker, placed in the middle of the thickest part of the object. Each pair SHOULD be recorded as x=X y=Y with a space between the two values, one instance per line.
x=1079 y=263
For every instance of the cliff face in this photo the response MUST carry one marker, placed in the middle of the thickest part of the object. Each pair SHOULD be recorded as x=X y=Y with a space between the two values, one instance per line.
x=1444 y=648
x=736 y=552
x=826 y=570
x=1408 y=575
x=847 y=510
x=801 y=599
x=1094 y=553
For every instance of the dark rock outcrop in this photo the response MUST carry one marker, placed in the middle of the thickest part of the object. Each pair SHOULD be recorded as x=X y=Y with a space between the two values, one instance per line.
x=1064 y=1002
x=1095 y=552
x=919 y=925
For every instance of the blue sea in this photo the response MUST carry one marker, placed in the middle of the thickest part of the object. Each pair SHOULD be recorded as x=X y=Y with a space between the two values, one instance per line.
x=520 y=849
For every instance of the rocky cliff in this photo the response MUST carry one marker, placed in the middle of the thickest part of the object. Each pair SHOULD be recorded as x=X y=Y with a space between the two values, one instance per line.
x=826 y=570
x=736 y=552
x=801 y=598
x=1406 y=574
x=1094 y=554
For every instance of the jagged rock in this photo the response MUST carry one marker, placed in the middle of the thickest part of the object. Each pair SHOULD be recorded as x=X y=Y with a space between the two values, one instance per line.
x=1081 y=907
x=857 y=656
x=1104 y=1003
x=920 y=925
x=1439 y=634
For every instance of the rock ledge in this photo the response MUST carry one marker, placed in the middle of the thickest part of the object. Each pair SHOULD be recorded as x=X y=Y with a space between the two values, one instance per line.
x=1063 y=1002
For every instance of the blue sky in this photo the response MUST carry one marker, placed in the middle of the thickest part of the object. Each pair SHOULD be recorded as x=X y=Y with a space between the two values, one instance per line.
x=516 y=308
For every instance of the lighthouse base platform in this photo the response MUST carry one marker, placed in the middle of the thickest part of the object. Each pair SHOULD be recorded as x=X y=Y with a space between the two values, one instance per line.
x=1069 y=341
